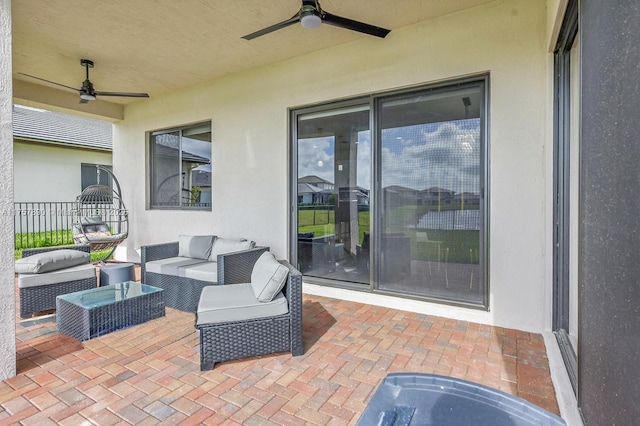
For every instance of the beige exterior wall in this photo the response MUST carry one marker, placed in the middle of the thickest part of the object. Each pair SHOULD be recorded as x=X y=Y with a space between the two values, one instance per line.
x=249 y=114
x=7 y=291
x=51 y=173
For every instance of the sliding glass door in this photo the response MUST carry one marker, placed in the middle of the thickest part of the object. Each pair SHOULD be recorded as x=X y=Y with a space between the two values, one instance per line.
x=430 y=203
x=333 y=183
x=390 y=193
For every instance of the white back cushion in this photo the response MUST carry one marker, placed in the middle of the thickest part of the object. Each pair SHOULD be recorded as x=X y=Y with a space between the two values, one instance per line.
x=195 y=246
x=226 y=245
x=268 y=277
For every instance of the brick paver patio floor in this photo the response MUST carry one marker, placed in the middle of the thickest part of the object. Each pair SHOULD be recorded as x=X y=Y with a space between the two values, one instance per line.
x=150 y=373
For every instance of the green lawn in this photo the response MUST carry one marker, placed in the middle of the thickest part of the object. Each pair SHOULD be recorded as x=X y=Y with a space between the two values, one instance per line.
x=321 y=222
x=460 y=246
x=49 y=239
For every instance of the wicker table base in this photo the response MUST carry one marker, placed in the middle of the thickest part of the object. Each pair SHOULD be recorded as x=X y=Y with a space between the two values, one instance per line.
x=91 y=313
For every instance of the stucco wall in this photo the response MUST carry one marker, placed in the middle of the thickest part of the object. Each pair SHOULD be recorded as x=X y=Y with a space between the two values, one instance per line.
x=7 y=292
x=507 y=38
x=50 y=173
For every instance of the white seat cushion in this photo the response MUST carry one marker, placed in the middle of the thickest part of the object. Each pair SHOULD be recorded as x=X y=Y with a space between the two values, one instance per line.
x=207 y=271
x=236 y=302
x=170 y=265
x=79 y=272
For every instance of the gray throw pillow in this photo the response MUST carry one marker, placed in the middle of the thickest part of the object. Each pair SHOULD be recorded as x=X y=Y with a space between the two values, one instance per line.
x=195 y=246
x=51 y=261
x=268 y=277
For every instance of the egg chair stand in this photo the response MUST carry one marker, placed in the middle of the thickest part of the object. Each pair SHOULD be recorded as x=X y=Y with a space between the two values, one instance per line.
x=101 y=218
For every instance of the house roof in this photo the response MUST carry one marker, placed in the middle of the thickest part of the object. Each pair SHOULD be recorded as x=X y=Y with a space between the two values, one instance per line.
x=57 y=128
x=171 y=152
x=305 y=188
x=313 y=179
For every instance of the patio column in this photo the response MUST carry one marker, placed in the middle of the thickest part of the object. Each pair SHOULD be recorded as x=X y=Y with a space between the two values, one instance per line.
x=608 y=343
x=7 y=291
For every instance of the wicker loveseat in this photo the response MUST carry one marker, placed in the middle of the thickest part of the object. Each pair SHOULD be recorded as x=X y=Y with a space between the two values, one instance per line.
x=258 y=311
x=45 y=273
x=184 y=267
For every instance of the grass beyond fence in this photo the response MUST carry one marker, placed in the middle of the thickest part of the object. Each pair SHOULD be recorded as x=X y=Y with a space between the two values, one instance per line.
x=43 y=239
x=460 y=246
x=312 y=217
x=322 y=222
x=49 y=239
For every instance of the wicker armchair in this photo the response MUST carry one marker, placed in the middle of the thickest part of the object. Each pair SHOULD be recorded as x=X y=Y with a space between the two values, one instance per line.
x=40 y=298
x=240 y=339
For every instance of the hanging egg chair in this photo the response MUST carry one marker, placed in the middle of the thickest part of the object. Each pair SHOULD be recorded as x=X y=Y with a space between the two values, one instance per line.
x=101 y=218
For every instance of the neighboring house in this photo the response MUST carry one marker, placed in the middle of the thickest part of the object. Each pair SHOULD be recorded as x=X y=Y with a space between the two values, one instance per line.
x=435 y=197
x=201 y=179
x=466 y=198
x=55 y=154
x=318 y=182
x=351 y=194
x=512 y=100
x=309 y=194
x=397 y=195
x=314 y=190
x=177 y=186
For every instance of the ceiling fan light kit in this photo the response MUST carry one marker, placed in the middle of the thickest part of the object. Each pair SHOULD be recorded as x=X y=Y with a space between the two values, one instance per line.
x=309 y=19
x=311 y=16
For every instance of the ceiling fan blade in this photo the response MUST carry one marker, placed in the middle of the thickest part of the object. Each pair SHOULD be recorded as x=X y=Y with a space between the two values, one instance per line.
x=350 y=24
x=49 y=81
x=123 y=94
x=294 y=19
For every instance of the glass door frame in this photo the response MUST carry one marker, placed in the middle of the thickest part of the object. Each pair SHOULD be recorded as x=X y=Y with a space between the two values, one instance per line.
x=482 y=81
x=561 y=191
x=293 y=115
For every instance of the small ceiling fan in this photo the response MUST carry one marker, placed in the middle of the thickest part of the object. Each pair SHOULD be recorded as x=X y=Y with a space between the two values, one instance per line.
x=311 y=15
x=87 y=92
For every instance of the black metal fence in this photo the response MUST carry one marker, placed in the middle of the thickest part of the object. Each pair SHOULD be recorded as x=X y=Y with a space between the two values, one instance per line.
x=39 y=224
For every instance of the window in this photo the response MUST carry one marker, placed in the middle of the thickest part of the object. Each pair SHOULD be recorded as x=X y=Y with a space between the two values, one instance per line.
x=391 y=193
x=180 y=168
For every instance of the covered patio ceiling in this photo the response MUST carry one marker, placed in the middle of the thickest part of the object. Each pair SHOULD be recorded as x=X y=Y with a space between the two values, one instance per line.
x=161 y=46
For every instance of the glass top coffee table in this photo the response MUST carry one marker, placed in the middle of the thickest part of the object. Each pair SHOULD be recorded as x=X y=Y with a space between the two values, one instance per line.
x=86 y=314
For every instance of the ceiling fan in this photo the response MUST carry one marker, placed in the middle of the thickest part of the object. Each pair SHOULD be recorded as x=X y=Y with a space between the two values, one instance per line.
x=311 y=15
x=87 y=92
